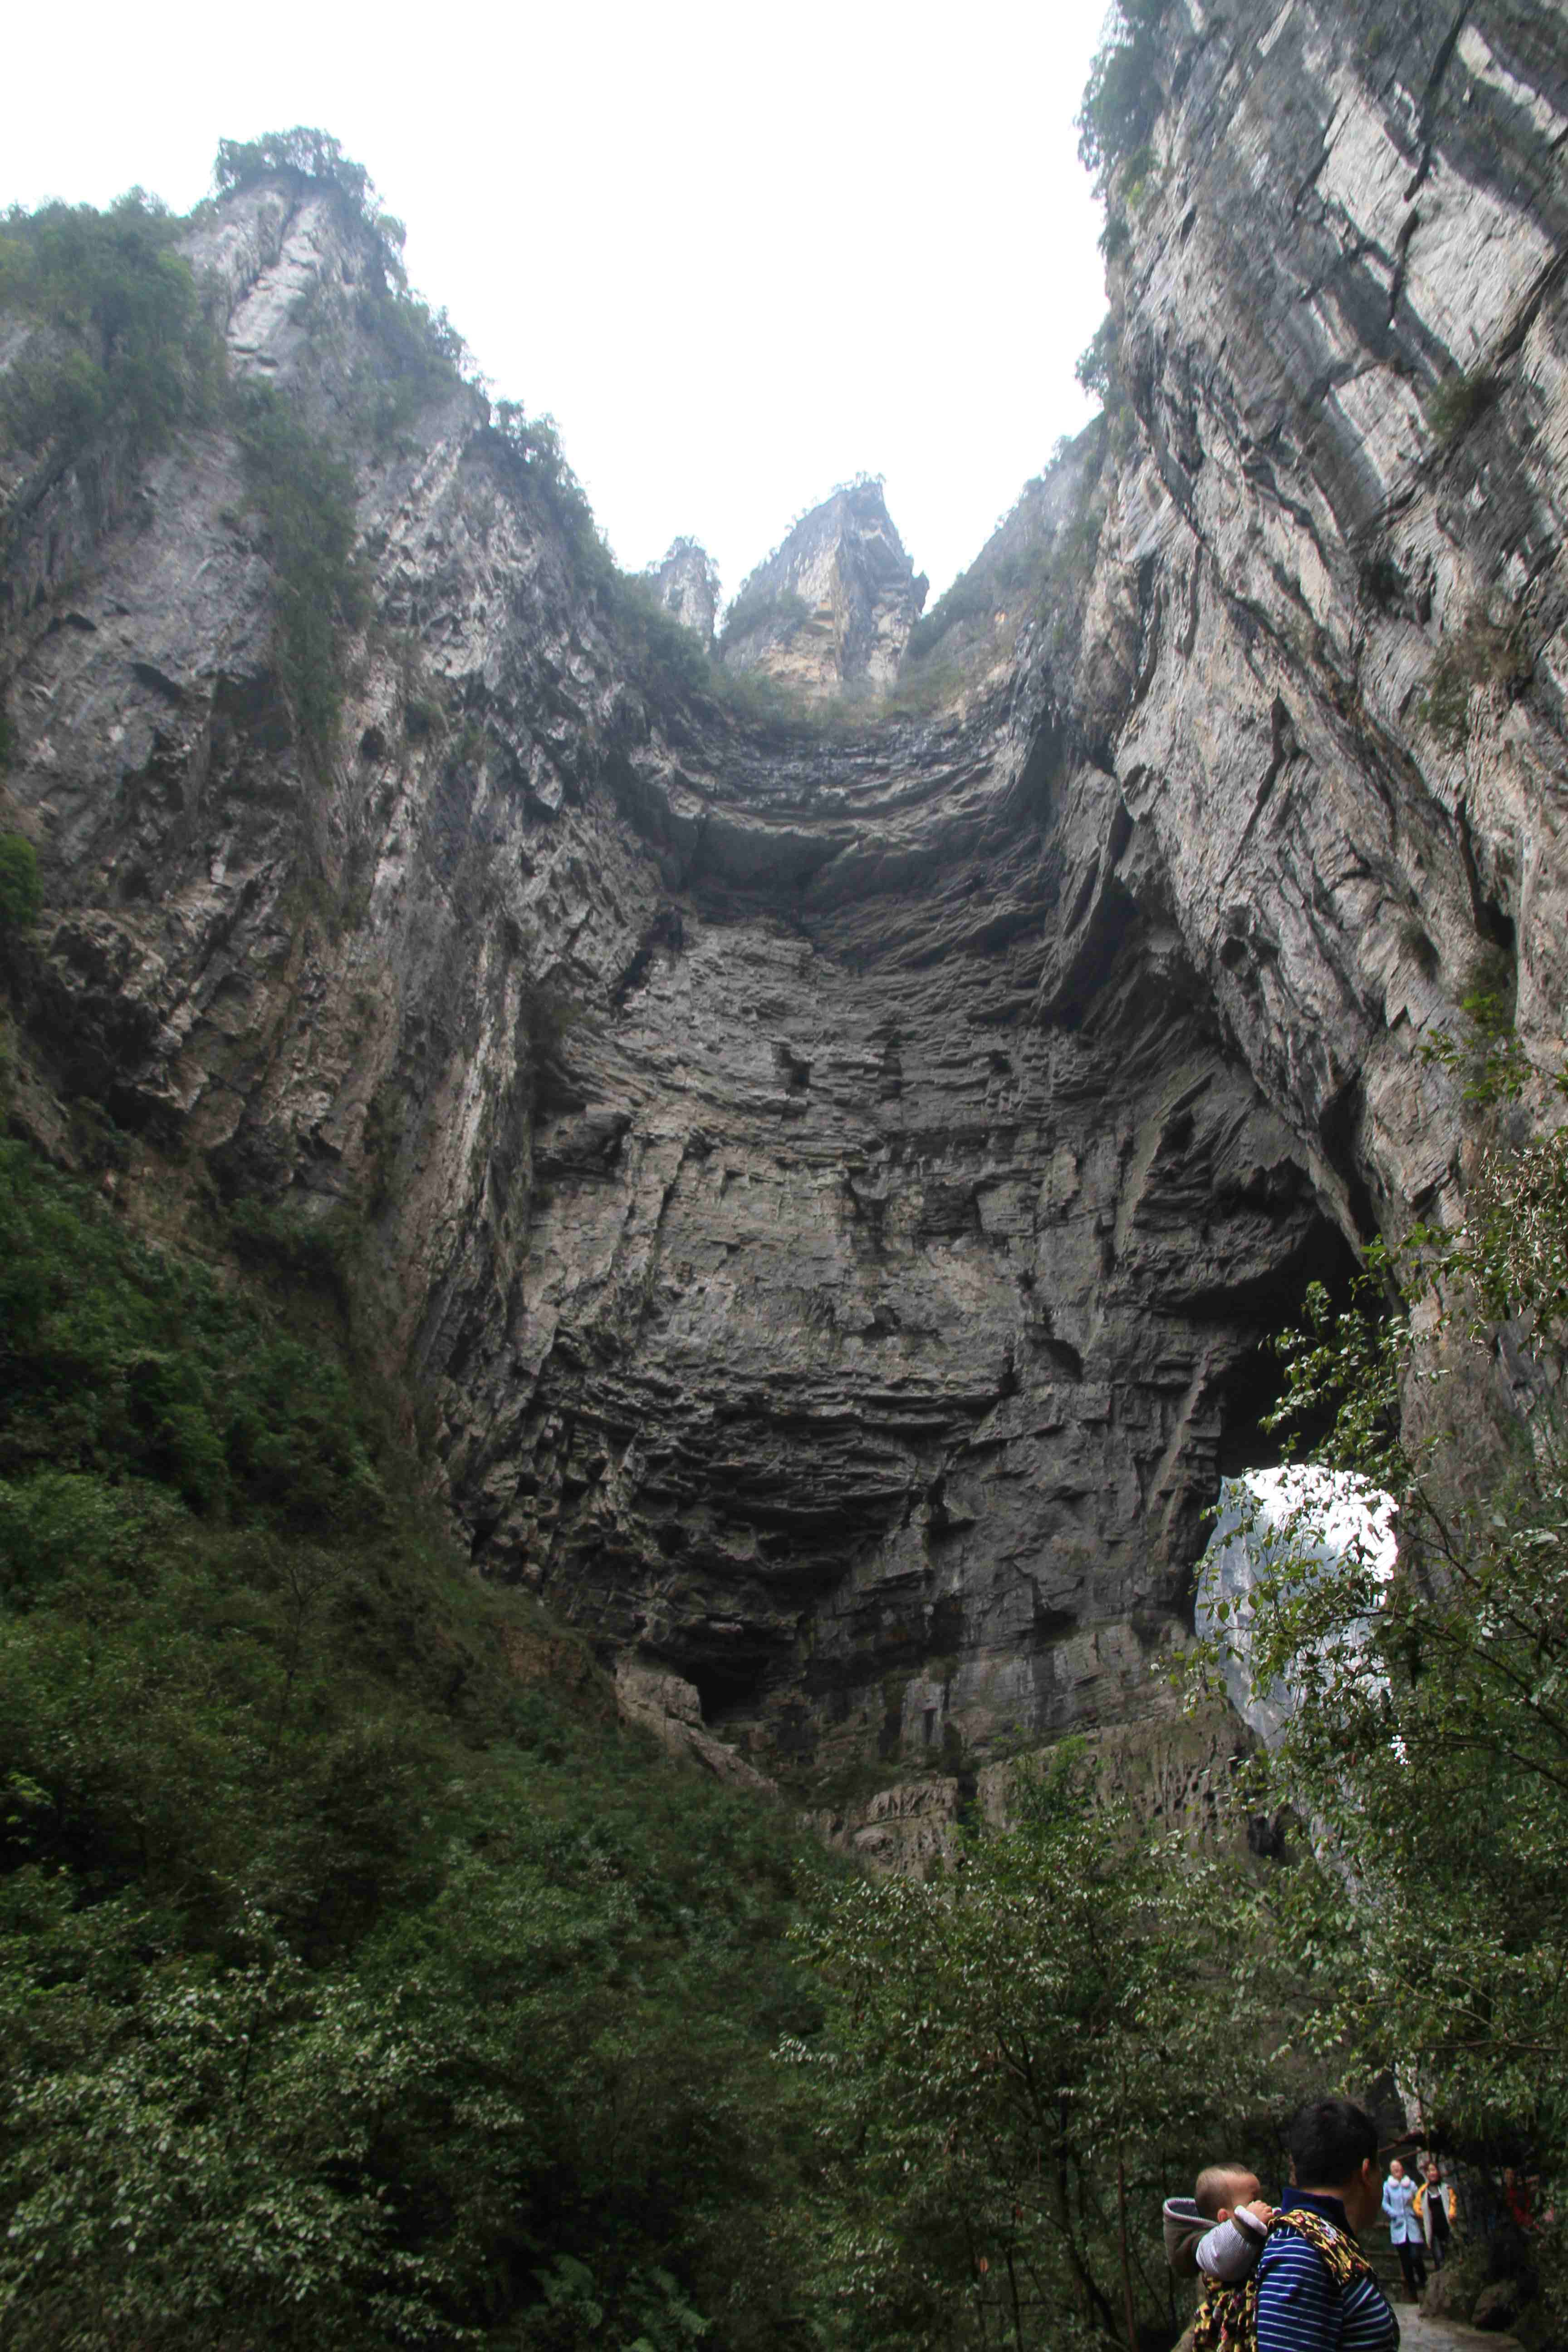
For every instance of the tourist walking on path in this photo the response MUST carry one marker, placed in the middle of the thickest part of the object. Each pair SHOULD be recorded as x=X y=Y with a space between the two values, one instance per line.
x=1316 y=2292
x=1404 y=2227
x=1436 y=2208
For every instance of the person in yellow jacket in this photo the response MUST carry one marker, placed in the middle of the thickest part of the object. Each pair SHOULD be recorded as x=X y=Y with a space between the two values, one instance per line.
x=1436 y=2207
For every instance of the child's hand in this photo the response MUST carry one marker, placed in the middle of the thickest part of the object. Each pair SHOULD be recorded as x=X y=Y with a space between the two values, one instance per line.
x=1264 y=2213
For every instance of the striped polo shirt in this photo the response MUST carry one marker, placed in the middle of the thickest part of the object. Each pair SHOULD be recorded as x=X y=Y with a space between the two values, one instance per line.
x=1300 y=2309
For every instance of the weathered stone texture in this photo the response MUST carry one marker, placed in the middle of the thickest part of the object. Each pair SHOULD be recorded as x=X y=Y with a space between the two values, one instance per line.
x=685 y=584
x=833 y=608
x=835 y=1187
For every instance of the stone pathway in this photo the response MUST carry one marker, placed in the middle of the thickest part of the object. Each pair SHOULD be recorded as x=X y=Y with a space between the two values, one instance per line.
x=1419 y=2334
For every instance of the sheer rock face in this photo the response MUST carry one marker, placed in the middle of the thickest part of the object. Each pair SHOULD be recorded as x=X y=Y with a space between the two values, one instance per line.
x=684 y=585
x=1348 y=208
x=835 y=1191
x=835 y=606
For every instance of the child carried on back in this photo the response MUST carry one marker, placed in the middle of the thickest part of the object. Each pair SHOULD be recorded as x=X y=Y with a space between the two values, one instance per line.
x=1218 y=2232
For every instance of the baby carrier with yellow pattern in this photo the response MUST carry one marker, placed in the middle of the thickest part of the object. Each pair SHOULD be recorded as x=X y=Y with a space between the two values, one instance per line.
x=1228 y=2316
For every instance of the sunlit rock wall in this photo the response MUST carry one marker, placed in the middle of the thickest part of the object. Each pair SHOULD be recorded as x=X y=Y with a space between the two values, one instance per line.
x=833 y=608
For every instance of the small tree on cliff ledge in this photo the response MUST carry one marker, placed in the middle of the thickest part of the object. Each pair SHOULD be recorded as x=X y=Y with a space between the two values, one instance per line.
x=1123 y=95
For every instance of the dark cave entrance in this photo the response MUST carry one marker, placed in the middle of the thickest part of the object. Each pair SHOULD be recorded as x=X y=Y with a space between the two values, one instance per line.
x=1247 y=1393
x=1251 y=1390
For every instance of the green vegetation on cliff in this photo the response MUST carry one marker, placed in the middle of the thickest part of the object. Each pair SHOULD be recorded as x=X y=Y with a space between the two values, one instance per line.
x=359 y=1982
x=119 y=339
x=304 y=493
x=1429 y=1741
x=1022 y=2061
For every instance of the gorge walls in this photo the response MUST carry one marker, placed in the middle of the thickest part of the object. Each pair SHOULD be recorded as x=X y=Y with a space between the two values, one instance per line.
x=824 y=1185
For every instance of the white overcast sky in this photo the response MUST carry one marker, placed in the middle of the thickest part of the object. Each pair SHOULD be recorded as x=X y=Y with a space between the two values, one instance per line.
x=739 y=253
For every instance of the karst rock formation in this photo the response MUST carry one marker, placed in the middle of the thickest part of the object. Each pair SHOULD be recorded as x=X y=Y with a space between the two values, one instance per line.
x=826 y=1186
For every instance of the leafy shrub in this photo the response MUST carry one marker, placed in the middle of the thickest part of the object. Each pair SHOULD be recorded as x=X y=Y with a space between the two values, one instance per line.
x=122 y=1362
x=1018 y=577
x=1123 y=96
x=276 y=1238
x=1481 y=653
x=306 y=154
x=930 y=688
x=423 y=358
x=762 y=608
x=385 y=1119
x=1486 y=1051
x=347 y=1978
x=305 y=495
x=120 y=338
x=660 y=649
x=20 y=897
x=1008 y=2080
x=1454 y=404
x=1096 y=368
x=533 y=446
x=1447 y=1959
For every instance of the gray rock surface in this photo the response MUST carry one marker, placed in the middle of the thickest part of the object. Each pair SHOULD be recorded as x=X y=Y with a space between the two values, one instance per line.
x=833 y=607
x=831 y=1190
x=687 y=586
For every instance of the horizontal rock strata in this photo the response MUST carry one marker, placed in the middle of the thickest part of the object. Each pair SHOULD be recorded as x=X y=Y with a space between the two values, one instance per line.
x=832 y=1187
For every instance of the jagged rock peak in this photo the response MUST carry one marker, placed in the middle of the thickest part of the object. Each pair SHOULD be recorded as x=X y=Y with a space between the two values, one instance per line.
x=686 y=581
x=833 y=607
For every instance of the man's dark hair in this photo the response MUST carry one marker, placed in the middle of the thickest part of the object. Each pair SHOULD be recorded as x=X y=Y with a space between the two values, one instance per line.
x=1329 y=2140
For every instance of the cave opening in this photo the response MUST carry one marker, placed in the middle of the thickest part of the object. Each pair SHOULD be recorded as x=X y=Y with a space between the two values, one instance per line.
x=723 y=1685
x=1249 y=1391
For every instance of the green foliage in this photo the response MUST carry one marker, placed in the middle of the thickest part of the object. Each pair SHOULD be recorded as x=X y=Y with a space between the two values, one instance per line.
x=416 y=355
x=1454 y=404
x=304 y=153
x=422 y=357
x=1481 y=653
x=658 y=647
x=305 y=496
x=20 y=897
x=1098 y=366
x=123 y=1364
x=931 y=687
x=533 y=447
x=761 y=607
x=1428 y=1742
x=666 y=657
x=120 y=340
x=277 y=1238
x=1485 y=1051
x=385 y=1119
x=1018 y=575
x=346 y=1979
x=1023 y=2055
x=1018 y=578
x=1123 y=96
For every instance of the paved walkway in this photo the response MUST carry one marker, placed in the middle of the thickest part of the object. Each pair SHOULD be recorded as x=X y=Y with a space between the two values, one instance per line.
x=1419 y=2334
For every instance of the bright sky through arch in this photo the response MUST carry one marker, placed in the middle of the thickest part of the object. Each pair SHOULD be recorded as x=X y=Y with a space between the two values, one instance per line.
x=739 y=253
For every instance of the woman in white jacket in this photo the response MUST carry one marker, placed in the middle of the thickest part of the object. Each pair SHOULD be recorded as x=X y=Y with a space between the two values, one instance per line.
x=1405 y=2228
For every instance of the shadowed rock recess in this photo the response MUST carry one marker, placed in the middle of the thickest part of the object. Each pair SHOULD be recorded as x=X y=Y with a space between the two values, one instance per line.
x=834 y=1181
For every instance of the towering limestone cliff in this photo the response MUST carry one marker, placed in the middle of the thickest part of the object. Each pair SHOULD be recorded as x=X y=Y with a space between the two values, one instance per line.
x=830 y=1186
x=833 y=607
x=685 y=584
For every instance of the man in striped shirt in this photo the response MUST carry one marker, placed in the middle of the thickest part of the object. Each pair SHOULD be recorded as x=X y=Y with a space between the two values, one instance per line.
x=1335 y=2174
